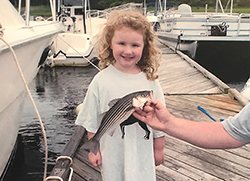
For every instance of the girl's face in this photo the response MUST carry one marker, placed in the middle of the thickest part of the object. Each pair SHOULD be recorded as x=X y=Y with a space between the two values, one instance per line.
x=127 y=45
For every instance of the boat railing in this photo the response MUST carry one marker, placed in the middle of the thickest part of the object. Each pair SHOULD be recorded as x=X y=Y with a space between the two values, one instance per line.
x=237 y=24
x=105 y=12
x=27 y=11
x=128 y=6
x=245 y=17
x=97 y=13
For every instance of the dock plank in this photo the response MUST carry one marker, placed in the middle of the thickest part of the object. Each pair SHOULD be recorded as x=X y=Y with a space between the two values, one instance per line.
x=212 y=156
x=204 y=161
x=186 y=85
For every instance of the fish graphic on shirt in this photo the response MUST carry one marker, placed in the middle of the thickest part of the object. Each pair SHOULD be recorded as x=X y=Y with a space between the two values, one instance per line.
x=120 y=111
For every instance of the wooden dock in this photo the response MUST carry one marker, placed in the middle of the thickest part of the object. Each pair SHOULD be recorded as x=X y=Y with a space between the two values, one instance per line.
x=186 y=85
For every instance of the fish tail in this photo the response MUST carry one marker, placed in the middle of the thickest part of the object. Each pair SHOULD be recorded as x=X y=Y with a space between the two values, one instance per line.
x=92 y=145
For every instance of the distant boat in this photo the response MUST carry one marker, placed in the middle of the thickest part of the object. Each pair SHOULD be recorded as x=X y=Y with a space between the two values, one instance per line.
x=76 y=45
x=246 y=90
x=213 y=39
x=184 y=29
x=28 y=39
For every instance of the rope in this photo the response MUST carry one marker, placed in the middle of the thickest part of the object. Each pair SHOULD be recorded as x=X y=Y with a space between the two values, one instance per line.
x=71 y=173
x=33 y=104
x=80 y=54
x=59 y=178
x=54 y=177
x=71 y=169
x=204 y=111
x=65 y=157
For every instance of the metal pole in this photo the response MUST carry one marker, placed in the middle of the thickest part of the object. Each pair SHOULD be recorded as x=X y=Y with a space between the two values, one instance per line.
x=216 y=6
x=231 y=10
x=27 y=9
x=19 y=6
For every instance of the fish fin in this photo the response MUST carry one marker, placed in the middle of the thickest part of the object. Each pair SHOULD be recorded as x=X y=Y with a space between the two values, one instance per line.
x=111 y=132
x=91 y=145
x=112 y=102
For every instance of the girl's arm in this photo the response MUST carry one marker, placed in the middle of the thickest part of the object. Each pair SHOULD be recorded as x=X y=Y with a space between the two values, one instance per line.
x=159 y=144
x=95 y=160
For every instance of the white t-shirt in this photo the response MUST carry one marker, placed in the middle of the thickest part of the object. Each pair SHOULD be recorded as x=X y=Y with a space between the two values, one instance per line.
x=131 y=158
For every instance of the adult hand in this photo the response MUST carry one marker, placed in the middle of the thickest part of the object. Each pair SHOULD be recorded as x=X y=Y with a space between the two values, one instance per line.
x=155 y=114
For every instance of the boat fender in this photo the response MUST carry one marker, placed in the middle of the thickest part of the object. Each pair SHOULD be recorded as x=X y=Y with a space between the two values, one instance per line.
x=78 y=108
x=178 y=41
x=44 y=55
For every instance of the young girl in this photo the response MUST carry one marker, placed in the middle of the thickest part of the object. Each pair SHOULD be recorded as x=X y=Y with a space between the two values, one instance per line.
x=128 y=59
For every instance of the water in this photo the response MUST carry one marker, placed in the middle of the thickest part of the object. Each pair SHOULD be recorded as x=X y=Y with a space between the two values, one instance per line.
x=229 y=61
x=57 y=92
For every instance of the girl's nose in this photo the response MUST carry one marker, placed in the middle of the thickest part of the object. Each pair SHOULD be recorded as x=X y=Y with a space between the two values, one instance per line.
x=128 y=50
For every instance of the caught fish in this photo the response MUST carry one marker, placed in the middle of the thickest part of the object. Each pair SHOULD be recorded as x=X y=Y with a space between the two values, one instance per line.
x=119 y=112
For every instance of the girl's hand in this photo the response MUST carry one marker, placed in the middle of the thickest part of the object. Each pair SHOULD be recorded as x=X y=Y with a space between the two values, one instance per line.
x=159 y=157
x=95 y=160
x=159 y=144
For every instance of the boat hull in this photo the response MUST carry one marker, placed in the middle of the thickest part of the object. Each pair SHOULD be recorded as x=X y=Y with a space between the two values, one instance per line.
x=76 y=46
x=230 y=61
x=13 y=91
x=71 y=49
x=28 y=41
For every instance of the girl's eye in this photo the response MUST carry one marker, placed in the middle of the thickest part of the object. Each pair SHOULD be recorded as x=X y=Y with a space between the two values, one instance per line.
x=135 y=45
x=121 y=43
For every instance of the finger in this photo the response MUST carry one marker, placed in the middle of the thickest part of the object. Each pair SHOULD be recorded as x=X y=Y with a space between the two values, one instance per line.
x=148 y=108
x=138 y=116
x=154 y=101
x=99 y=162
x=138 y=110
x=94 y=163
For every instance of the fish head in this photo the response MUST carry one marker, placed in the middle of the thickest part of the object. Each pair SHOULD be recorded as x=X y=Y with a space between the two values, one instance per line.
x=141 y=98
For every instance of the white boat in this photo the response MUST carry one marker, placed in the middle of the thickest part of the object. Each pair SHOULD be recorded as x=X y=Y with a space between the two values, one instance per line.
x=213 y=39
x=76 y=45
x=28 y=39
x=181 y=28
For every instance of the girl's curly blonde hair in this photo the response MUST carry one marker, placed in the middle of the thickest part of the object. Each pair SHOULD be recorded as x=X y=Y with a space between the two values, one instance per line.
x=136 y=21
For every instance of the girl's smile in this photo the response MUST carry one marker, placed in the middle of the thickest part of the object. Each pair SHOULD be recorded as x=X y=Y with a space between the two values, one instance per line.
x=127 y=45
